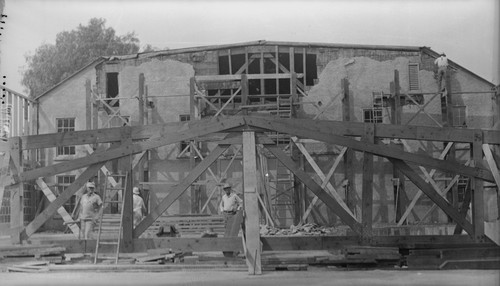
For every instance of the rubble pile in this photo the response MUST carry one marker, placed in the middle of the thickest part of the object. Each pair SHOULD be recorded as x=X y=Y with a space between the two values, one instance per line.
x=299 y=230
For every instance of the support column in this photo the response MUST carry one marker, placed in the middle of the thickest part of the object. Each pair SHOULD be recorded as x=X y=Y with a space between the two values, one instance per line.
x=477 y=189
x=141 y=99
x=88 y=105
x=16 y=192
x=252 y=239
x=348 y=183
x=367 y=192
x=398 y=177
x=125 y=164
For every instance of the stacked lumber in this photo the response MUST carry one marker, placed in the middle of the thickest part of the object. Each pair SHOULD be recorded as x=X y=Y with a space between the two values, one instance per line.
x=455 y=258
x=48 y=253
x=189 y=225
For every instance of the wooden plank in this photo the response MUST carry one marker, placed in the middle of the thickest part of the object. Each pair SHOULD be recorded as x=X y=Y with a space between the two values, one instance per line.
x=329 y=201
x=16 y=191
x=61 y=211
x=202 y=128
x=4 y=173
x=491 y=163
x=88 y=105
x=34 y=225
x=324 y=179
x=432 y=194
x=477 y=190
x=311 y=131
x=252 y=234
x=367 y=188
x=464 y=208
x=107 y=135
x=419 y=193
x=178 y=190
x=141 y=99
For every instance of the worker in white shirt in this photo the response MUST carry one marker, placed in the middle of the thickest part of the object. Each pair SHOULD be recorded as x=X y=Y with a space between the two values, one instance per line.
x=138 y=206
x=90 y=210
x=230 y=202
x=442 y=65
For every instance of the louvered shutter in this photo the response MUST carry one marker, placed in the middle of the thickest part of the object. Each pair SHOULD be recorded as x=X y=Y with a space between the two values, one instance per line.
x=413 y=77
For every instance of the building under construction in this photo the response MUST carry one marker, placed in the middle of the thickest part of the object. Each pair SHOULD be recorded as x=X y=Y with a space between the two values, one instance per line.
x=355 y=137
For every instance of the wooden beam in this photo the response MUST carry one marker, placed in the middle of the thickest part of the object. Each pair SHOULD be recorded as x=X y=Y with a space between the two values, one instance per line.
x=491 y=163
x=367 y=189
x=16 y=191
x=419 y=193
x=464 y=208
x=329 y=201
x=34 y=225
x=432 y=194
x=88 y=105
x=61 y=211
x=141 y=99
x=324 y=179
x=107 y=135
x=311 y=131
x=252 y=219
x=477 y=190
x=203 y=128
x=178 y=190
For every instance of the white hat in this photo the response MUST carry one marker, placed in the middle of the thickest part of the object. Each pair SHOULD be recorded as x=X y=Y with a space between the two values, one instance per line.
x=226 y=185
x=136 y=190
x=90 y=185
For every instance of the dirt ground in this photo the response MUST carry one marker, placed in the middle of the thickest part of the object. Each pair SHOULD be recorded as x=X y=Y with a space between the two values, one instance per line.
x=320 y=276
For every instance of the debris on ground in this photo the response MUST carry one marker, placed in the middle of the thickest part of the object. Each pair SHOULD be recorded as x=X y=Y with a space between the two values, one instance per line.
x=305 y=229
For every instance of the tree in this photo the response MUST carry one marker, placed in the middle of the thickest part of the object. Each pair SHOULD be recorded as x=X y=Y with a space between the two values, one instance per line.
x=51 y=63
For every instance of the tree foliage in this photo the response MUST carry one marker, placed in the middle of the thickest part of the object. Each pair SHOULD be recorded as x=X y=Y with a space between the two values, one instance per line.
x=51 y=63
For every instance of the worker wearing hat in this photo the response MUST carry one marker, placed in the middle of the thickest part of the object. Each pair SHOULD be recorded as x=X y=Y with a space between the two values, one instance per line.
x=138 y=206
x=442 y=66
x=90 y=207
x=230 y=202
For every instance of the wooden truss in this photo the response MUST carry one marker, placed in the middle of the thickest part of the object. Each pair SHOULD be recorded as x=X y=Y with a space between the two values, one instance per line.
x=250 y=133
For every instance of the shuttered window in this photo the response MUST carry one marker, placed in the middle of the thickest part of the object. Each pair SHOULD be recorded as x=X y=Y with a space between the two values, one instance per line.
x=413 y=76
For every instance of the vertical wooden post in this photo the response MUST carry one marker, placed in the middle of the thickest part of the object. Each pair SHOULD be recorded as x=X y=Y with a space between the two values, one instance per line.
x=128 y=216
x=16 y=192
x=477 y=191
x=399 y=179
x=349 y=154
x=252 y=239
x=244 y=92
x=367 y=192
x=262 y=81
x=295 y=97
x=88 y=105
x=141 y=99
x=192 y=99
x=95 y=111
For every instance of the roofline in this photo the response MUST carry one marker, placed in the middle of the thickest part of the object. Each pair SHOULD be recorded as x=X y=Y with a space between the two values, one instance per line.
x=261 y=43
x=436 y=55
x=93 y=63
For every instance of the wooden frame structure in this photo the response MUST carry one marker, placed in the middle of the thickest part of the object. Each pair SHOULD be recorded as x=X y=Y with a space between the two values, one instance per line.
x=241 y=130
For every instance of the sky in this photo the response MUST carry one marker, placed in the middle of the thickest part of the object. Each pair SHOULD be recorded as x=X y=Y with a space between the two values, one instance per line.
x=466 y=30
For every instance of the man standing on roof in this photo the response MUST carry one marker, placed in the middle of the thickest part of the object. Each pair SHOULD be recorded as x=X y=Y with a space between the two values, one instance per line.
x=90 y=208
x=138 y=206
x=442 y=65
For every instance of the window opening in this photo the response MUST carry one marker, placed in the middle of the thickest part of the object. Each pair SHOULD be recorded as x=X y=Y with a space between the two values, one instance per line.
x=65 y=125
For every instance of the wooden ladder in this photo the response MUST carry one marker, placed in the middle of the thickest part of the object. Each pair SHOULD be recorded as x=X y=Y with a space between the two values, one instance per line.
x=111 y=220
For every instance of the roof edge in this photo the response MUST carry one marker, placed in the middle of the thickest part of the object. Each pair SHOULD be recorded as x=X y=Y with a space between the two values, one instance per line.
x=92 y=63
x=436 y=55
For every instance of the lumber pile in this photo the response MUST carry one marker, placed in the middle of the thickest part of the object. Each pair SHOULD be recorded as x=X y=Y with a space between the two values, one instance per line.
x=47 y=253
x=188 y=225
x=455 y=258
